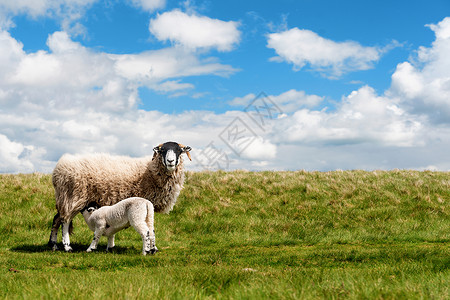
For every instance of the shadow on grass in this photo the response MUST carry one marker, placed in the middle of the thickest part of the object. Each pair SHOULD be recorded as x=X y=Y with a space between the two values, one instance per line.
x=76 y=248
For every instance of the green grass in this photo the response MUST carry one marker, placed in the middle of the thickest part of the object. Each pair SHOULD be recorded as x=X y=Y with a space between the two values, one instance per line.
x=245 y=235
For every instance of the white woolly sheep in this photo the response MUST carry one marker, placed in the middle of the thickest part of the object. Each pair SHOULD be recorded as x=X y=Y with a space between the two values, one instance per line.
x=108 y=220
x=106 y=180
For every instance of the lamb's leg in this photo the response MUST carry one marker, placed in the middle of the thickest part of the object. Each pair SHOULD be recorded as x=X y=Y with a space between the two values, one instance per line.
x=146 y=242
x=149 y=220
x=148 y=239
x=143 y=230
x=65 y=236
x=151 y=237
x=54 y=232
x=110 y=243
x=97 y=235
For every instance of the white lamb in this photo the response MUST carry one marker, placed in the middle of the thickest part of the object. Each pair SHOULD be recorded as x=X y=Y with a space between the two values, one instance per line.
x=108 y=220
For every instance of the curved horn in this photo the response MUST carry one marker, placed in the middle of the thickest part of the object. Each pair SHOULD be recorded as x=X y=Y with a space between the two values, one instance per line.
x=189 y=155
x=187 y=152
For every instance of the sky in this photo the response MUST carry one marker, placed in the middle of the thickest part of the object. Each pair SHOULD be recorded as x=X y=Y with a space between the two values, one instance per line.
x=255 y=85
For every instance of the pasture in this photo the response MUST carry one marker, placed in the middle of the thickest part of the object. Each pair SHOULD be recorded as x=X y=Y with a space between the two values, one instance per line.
x=245 y=235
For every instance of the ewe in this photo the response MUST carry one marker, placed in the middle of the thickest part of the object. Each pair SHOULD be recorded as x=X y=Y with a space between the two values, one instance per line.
x=106 y=180
x=107 y=220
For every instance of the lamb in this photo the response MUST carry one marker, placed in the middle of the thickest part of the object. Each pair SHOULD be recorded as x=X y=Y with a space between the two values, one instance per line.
x=106 y=180
x=108 y=220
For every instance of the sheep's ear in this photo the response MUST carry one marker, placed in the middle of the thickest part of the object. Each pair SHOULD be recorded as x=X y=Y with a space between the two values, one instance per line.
x=156 y=150
x=186 y=149
x=91 y=209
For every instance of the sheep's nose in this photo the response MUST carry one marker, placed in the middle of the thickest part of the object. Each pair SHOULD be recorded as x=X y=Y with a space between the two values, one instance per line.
x=170 y=160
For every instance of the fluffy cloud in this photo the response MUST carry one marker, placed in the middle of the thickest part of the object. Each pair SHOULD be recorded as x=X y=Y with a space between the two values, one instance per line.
x=73 y=99
x=193 y=32
x=72 y=75
x=423 y=86
x=15 y=157
x=67 y=12
x=43 y=7
x=406 y=127
x=301 y=47
x=362 y=117
x=260 y=149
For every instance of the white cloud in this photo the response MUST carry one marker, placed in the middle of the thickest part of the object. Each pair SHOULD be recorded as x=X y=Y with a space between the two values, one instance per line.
x=301 y=47
x=67 y=12
x=36 y=8
x=60 y=42
x=260 y=149
x=9 y=155
x=423 y=86
x=361 y=118
x=73 y=99
x=288 y=102
x=166 y=63
x=149 y=5
x=193 y=32
x=11 y=52
x=16 y=157
x=72 y=75
x=173 y=85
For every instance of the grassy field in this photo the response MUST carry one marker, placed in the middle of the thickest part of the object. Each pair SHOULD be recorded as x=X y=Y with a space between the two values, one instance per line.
x=245 y=235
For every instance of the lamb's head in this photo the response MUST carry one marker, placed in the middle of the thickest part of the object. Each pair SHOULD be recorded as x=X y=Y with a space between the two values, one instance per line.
x=169 y=154
x=88 y=210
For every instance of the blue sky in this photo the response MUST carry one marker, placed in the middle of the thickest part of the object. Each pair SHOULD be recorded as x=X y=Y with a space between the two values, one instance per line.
x=359 y=84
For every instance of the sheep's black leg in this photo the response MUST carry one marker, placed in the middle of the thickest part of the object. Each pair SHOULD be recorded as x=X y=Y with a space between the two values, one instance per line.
x=54 y=232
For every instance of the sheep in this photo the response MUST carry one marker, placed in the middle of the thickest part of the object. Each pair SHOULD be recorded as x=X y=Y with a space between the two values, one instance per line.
x=106 y=180
x=108 y=220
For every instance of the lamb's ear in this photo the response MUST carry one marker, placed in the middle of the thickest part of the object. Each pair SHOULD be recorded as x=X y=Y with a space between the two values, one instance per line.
x=186 y=149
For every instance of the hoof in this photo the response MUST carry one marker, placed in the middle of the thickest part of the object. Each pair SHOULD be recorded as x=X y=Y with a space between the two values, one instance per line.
x=52 y=245
x=151 y=251
x=68 y=248
x=110 y=249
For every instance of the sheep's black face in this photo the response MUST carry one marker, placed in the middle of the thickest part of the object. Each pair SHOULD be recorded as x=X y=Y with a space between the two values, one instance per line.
x=170 y=154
